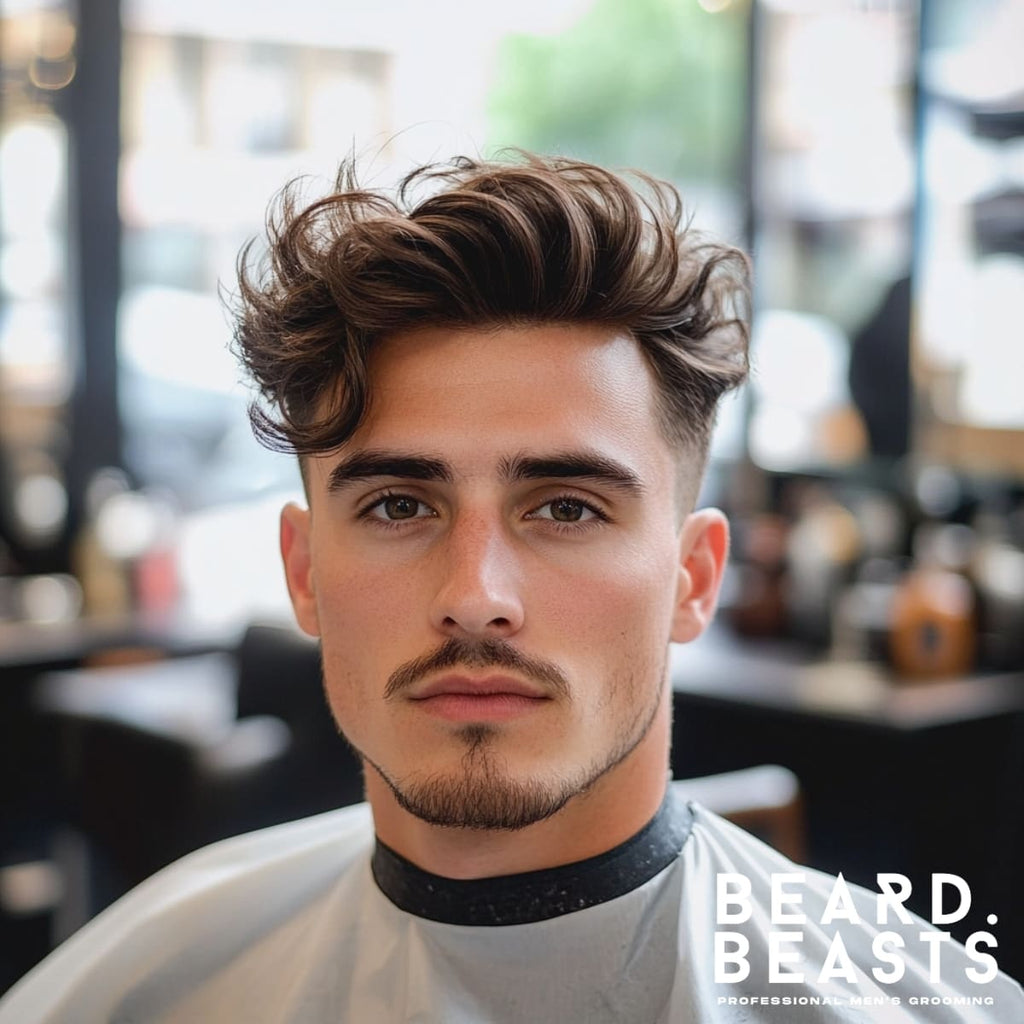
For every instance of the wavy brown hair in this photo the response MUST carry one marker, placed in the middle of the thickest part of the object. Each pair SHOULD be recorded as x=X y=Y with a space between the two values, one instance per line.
x=480 y=244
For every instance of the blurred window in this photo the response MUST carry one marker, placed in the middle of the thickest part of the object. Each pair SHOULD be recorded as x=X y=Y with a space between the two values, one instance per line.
x=37 y=354
x=833 y=204
x=969 y=356
x=217 y=114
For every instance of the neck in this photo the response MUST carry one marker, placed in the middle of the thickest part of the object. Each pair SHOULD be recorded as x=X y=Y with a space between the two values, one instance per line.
x=617 y=806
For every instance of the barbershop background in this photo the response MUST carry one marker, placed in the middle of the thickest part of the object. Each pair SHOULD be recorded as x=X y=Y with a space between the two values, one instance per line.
x=860 y=701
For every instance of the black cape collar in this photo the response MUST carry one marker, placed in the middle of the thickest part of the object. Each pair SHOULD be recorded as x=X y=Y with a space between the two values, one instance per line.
x=537 y=895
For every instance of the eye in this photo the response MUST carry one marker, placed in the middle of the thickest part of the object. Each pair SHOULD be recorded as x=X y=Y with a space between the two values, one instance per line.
x=567 y=509
x=394 y=508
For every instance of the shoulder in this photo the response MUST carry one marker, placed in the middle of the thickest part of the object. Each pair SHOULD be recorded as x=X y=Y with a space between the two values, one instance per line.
x=238 y=887
x=334 y=836
x=293 y=855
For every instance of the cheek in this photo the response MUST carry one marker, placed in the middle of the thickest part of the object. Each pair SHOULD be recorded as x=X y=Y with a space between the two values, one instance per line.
x=622 y=603
x=360 y=598
x=365 y=620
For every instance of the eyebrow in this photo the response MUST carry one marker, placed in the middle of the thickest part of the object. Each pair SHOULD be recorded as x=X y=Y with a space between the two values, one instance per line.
x=572 y=465
x=366 y=465
x=566 y=465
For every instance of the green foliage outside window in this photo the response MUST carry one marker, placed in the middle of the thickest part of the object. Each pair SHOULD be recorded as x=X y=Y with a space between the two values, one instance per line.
x=657 y=84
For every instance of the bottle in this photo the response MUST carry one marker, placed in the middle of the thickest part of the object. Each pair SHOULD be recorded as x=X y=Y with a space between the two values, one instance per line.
x=933 y=631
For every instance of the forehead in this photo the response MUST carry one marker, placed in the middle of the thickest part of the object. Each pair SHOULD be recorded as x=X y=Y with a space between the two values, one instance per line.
x=476 y=396
x=506 y=374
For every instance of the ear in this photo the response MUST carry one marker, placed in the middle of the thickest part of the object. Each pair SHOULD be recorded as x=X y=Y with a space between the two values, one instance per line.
x=298 y=566
x=703 y=548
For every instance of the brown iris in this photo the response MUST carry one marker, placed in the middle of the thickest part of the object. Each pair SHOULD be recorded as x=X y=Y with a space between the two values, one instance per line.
x=400 y=508
x=567 y=510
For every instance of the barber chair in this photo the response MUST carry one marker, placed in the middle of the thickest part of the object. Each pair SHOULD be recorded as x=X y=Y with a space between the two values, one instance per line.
x=162 y=758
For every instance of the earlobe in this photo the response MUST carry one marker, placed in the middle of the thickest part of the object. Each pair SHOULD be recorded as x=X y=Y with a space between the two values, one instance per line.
x=703 y=548
x=298 y=566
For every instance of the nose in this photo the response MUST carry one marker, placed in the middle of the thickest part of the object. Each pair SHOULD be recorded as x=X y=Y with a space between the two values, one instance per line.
x=479 y=591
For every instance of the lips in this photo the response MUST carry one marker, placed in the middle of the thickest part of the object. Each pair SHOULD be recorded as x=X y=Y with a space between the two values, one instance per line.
x=485 y=686
x=487 y=699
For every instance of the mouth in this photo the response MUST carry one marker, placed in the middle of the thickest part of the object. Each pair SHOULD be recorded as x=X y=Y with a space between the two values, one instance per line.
x=462 y=698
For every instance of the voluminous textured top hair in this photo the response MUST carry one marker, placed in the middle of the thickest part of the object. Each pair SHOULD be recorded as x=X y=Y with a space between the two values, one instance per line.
x=526 y=241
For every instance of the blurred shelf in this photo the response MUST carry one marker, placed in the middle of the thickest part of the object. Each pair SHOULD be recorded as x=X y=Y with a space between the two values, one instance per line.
x=782 y=676
x=35 y=646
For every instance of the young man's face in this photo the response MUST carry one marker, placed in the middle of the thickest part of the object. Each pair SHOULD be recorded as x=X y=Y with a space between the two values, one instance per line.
x=495 y=563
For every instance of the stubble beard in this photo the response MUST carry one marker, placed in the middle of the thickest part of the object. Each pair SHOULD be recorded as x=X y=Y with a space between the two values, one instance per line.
x=483 y=795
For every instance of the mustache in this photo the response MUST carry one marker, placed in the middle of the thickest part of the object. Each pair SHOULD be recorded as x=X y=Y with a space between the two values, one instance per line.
x=488 y=652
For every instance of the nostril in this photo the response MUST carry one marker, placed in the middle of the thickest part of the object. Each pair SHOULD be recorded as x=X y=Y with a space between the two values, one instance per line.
x=500 y=622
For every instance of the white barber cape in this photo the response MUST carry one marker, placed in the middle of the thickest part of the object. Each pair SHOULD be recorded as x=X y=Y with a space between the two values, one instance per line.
x=289 y=925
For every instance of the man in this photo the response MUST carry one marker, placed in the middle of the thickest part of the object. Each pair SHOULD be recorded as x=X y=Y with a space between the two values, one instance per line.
x=501 y=394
